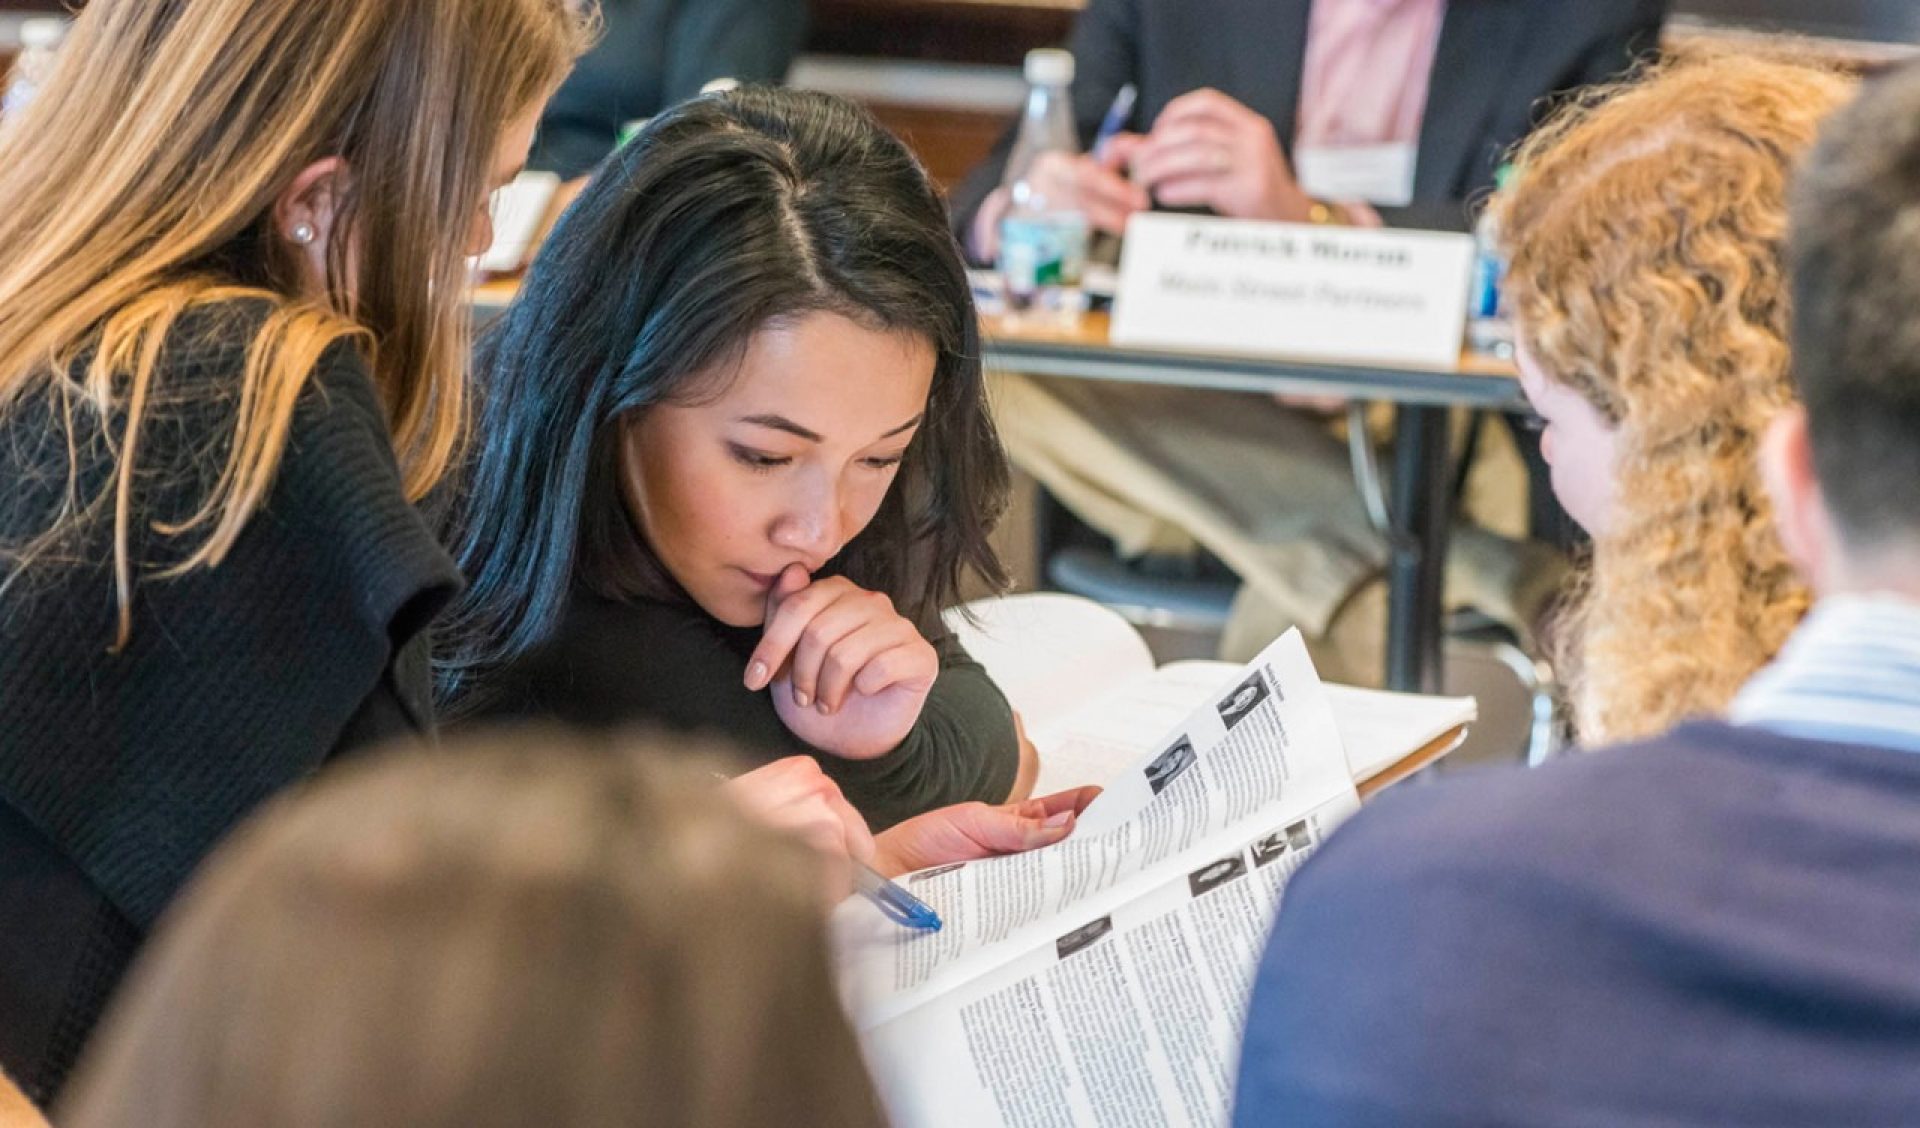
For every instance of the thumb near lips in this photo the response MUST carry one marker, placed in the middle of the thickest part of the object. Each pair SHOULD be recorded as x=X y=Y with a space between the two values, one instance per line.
x=792 y=579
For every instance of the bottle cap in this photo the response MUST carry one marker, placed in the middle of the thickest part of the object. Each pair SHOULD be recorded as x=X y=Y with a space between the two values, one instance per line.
x=42 y=34
x=1049 y=66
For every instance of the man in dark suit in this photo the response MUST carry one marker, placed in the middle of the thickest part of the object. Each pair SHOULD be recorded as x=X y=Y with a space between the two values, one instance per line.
x=1367 y=112
x=655 y=53
x=1247 y=74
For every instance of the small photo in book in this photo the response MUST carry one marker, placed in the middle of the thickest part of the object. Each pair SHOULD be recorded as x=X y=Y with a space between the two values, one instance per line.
x=1083 y=937
x=929 y=875
x=1270 y=849
x=1215 y=874
x=1299 y=836
x=1245 y=698
x=1170 y=765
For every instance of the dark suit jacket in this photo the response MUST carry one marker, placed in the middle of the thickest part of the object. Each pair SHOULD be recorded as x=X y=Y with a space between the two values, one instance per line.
x=655 y=53
x=1497 y=61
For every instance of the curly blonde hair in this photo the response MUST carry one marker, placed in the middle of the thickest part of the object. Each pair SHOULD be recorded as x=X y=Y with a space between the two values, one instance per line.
x=1646 y=233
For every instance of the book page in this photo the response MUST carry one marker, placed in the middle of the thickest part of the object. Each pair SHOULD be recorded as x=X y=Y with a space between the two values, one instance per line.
x=1095 y=743
x=1243 y=739
x=1264 y=750
x=1084 y=682
x=1051 y=654
x=1132 y=1017
x=518 y=210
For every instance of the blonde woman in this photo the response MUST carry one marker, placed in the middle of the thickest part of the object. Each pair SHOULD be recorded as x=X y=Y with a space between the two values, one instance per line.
x=530 y=930
x=233 y=342
x=1646 y=233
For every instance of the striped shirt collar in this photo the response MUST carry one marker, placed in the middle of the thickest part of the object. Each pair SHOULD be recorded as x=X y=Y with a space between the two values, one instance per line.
x=1850 y=674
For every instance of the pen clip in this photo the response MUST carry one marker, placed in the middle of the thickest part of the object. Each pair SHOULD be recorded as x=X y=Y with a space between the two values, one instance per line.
x=898 y=914
x=898 y=905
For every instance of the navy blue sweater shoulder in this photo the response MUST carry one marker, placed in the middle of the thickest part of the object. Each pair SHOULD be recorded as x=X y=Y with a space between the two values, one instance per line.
x=1716 y=927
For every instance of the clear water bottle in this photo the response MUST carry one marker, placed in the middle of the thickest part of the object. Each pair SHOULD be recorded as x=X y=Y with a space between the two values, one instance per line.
x=1489 y=328
x=1043 y=243
x=39 y=46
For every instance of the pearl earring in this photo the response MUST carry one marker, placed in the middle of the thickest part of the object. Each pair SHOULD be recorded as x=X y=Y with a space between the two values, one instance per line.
x=302 y=233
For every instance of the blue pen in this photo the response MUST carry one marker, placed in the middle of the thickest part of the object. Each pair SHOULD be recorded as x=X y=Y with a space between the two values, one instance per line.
x=1116 y=119
x=900 y=906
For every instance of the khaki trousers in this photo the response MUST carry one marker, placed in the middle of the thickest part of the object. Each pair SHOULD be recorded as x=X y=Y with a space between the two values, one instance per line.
x=1269 y=490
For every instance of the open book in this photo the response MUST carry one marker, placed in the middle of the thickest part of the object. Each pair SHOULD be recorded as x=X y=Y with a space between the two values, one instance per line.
x=1104 y=981
x=1084 y=682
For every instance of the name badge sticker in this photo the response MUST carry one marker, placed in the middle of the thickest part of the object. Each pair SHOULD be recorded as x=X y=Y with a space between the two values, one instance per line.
x=1381 y=175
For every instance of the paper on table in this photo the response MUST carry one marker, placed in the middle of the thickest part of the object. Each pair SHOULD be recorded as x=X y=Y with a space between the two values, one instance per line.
x=1382 y=728
x=1092 y=743
x=518 y=211
x=1050 y=653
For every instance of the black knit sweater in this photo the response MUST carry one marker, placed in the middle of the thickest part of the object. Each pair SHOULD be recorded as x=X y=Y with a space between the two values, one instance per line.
x=119 y=772
x=669 y=663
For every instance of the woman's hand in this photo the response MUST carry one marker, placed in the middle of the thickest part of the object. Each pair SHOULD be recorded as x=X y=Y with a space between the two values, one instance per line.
x=968 y=831
x=1207 y=150
x=848 y=673
x=794 y=796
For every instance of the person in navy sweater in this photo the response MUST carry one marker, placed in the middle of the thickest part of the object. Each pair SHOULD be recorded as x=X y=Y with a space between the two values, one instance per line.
x=1715 y=925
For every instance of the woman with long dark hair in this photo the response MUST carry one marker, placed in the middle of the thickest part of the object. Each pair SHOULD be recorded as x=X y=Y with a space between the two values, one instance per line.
x=737 y=461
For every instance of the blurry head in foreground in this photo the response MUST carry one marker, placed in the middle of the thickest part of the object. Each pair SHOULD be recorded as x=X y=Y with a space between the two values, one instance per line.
x=526 y=929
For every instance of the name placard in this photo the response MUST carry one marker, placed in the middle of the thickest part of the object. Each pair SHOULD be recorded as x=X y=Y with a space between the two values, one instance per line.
x=1324 y=293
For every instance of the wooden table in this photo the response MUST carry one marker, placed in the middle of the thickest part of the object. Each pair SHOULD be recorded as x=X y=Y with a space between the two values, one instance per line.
x=1421 y=501
x=1087 y=352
